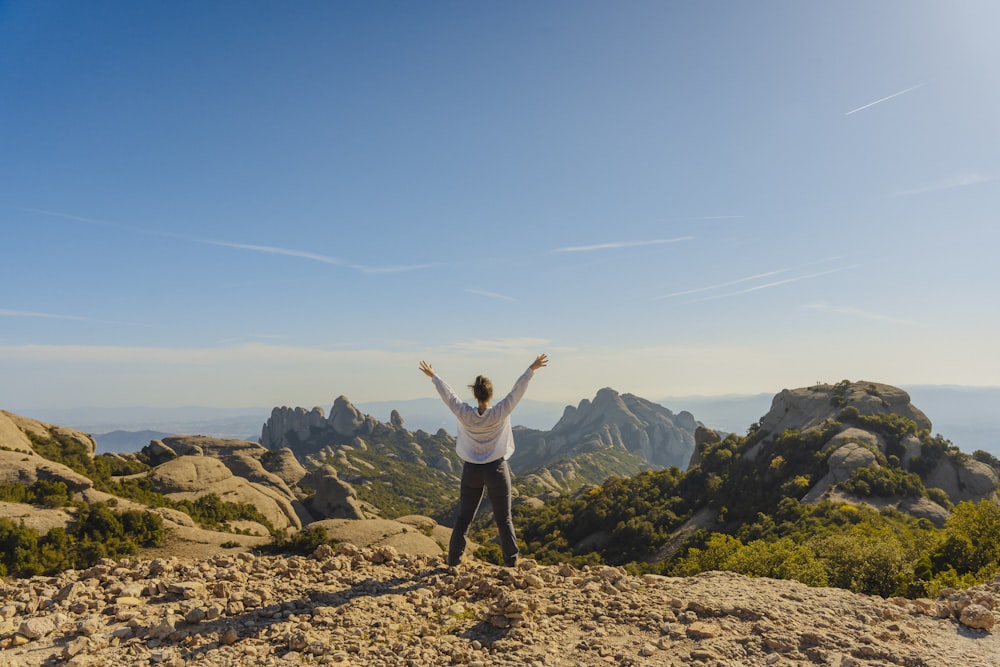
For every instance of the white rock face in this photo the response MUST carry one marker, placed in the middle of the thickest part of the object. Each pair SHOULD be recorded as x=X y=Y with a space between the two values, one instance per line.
x=849 y=457
x=810 y=406
x=612 y=420
x=965 y=480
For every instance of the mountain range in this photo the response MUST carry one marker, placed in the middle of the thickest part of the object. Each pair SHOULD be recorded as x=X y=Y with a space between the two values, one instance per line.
x=965 y=415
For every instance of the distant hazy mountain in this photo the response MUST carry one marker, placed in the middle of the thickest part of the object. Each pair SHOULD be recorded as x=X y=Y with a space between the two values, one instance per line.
x=126 y=441
x=967 y=416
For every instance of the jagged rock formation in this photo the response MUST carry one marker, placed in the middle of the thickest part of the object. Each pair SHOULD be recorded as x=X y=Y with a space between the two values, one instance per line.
x=396 y=471
x=615 y=434
x=638 y=433
x=307 y=432
x=380 y=607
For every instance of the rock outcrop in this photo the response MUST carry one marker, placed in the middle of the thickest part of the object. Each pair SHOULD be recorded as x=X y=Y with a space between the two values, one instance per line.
x=381 y=607
x=20 y=464
x=639 y=433
x=191 y=477
x=808 y=407
x=853 y=447
x=306 y=432
x=333 y=498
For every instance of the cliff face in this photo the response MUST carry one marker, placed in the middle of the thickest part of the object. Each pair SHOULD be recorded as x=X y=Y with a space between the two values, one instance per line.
x=308 y=431
x=621 y=432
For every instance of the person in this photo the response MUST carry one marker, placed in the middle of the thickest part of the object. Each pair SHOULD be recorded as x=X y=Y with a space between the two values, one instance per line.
x=485 y=441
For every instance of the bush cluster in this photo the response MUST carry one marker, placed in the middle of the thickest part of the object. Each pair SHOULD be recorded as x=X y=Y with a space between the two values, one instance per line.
x=97 y=532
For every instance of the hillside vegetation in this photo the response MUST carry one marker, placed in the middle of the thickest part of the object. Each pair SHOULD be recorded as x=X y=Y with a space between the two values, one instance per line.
x=742 y=507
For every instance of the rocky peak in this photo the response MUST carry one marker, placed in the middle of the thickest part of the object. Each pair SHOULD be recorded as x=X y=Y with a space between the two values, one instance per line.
x=344 y=417
x=807 y=407
x=622 y=422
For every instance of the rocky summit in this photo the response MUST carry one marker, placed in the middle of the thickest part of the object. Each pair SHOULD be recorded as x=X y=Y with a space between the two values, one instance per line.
x=347 y=605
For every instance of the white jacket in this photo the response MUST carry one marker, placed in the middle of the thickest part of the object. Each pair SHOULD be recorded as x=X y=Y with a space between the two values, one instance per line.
x=486 y=437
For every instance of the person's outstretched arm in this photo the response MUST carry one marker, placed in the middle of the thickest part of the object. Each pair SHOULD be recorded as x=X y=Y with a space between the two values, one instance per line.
x=510 y=401
x=446 y=393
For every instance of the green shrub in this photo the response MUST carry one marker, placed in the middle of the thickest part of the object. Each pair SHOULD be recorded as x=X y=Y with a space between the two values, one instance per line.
x=97 y=532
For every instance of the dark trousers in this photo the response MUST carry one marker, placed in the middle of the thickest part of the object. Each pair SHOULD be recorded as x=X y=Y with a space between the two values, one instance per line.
x=493 y=479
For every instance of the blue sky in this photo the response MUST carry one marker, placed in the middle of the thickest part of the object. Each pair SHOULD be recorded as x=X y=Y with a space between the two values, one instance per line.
x=262 y=203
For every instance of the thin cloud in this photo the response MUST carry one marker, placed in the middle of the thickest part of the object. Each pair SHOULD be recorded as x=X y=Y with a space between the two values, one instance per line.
x=500 y=345
x=776 y=283
x=252 y=247
x=46 y=316
x=272 y=250
x=491 y=295
x=720 y=285
x=857 y=312
x=712 y=217
x=885 y=99
x=621 y=244
x=957 y=181
x=403 y=268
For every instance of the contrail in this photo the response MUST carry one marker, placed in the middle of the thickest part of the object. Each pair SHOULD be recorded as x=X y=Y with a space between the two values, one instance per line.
x=48 y=316
x=491 y=295
x=620 y=244
x=871 y=104
x=269 y=250
x=772 y=284
x=712 y=287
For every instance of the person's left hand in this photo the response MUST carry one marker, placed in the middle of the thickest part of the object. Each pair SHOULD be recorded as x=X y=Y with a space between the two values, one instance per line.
x=426 y=369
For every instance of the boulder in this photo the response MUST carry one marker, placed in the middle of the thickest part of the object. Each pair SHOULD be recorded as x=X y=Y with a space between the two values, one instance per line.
x=849 y=457
x=962 y=480
x=852 y=434
x=156 y=452
x=333 y=497
x=282 y=462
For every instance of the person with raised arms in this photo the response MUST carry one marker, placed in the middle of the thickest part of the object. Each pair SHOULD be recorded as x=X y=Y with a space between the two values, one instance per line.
x=485 y=441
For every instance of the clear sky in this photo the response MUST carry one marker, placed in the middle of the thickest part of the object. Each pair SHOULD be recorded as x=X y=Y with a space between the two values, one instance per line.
x=265 y=203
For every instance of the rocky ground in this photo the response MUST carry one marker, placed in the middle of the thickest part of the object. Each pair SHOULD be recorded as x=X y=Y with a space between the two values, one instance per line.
x=346 y=605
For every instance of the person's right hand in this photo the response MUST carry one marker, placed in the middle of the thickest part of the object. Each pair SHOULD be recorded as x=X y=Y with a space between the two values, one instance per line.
x=426 y=369
x=540 y=361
